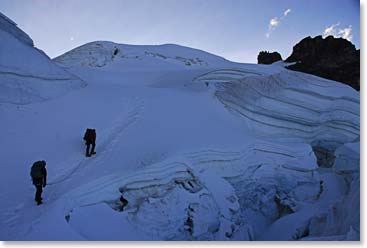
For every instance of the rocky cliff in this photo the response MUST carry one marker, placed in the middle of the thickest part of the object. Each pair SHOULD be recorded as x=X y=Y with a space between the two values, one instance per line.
x=332 y=58
x=265 y=57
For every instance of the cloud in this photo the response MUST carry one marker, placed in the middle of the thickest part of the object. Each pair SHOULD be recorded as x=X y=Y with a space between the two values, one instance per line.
x=334 y=30
x=331 y=30
x=346 y=33
x=286 y=12
x=274 y=22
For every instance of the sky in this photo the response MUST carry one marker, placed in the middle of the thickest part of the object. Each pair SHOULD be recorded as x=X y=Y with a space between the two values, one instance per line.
x=235 y=29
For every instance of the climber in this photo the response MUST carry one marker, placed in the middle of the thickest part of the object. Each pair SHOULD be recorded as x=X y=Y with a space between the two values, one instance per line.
x=39 y=174
x=90 y=139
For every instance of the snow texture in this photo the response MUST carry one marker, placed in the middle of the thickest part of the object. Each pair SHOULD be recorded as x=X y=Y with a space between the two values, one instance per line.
x=202 y=148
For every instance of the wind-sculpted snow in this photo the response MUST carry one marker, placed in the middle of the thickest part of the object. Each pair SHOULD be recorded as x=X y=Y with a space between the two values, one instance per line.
x=19 y=88
x=26 y=73
x=160 y=198
x=203 y=195
x=347 y=158
x=304 y=107
x=341 y=220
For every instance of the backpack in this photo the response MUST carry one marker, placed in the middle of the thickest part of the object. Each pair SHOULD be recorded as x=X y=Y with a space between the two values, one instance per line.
x=90 y=135
x=37 y=169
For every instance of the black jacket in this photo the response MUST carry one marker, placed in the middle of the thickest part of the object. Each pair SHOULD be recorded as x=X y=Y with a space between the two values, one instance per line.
x=41 y=181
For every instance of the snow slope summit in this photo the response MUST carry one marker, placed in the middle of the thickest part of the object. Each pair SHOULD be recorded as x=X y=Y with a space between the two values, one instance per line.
x=119 y=56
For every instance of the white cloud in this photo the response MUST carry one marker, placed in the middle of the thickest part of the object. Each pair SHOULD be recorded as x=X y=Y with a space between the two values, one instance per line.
x=286 y=12
x=333 y=30
x=346 y=33
x=274 y=22
x=71 y=38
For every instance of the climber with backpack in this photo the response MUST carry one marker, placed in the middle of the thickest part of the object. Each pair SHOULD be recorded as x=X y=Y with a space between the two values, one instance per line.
x=39 y=174
x=90 y=139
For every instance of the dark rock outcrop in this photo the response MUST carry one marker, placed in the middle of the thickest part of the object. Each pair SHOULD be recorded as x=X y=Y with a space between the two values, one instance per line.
x=332 y=58
x=267 y=58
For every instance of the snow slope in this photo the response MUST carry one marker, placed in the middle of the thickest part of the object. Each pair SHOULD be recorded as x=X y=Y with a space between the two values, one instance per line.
x=202 y=148
x=26 y=73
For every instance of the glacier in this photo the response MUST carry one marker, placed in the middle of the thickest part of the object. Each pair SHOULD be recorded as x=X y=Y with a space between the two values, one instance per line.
x=202 y=148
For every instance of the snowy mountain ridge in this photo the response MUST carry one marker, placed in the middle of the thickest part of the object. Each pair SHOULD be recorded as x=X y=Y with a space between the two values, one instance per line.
x=104 y=53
